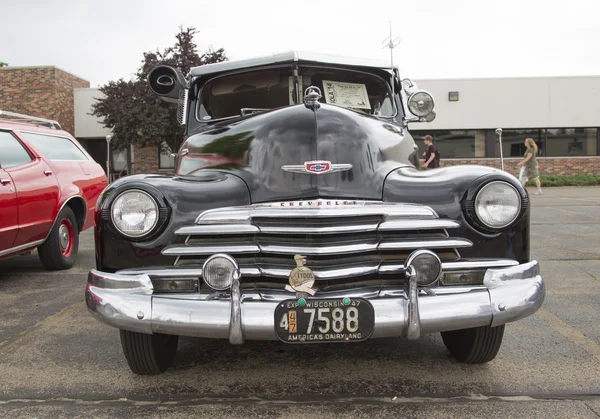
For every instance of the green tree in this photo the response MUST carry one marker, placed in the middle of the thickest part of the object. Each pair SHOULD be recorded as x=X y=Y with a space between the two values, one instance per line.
x=3 y=64
x=134 y=114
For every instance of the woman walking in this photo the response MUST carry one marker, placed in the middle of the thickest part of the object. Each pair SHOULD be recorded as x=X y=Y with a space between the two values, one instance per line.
x=531 y=165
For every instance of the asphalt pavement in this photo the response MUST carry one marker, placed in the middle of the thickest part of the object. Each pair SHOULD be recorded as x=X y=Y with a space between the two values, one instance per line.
x=57 y=361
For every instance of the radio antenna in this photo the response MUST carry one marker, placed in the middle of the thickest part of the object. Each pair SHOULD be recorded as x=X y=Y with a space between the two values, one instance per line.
x=391 y=43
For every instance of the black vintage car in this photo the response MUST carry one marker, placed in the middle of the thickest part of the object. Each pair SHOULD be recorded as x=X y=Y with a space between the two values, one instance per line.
x=298 y=213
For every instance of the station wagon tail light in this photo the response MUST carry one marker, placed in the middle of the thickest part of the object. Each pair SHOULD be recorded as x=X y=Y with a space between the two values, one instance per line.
x=420 y=103
x=134 y=213
x=497 y=204
x=219 y=271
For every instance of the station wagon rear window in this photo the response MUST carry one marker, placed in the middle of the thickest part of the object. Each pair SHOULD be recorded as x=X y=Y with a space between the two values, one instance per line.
x=54 y=148
x=257 y=91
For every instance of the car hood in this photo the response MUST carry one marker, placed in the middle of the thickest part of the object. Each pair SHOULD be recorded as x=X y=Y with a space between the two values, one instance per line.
x=256 y=147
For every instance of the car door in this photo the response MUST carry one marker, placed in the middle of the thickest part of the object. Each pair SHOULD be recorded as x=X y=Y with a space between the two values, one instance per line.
x=8 y=211
x=36 y=188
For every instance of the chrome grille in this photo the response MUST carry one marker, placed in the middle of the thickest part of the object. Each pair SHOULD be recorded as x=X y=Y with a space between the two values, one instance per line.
x=356 y=240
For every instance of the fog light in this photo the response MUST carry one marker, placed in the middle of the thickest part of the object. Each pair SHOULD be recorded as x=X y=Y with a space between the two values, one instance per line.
x=219 y=271
x=427 y=266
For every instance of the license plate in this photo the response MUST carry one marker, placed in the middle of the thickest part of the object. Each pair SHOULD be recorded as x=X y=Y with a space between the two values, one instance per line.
x=324 y=320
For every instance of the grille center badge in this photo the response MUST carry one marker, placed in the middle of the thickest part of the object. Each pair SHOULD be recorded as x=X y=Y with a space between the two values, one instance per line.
x=301 y=278
x=316 y=167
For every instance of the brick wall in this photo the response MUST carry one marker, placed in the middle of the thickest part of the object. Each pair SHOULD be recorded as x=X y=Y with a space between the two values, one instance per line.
x=45 y=92
x=547 y=165
x=145 y=160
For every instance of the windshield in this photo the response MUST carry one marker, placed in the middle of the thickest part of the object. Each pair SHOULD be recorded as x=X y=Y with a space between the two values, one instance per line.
x=256 y=91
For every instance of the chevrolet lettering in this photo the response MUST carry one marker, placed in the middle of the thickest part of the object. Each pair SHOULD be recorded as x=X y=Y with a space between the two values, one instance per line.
x=297 y=212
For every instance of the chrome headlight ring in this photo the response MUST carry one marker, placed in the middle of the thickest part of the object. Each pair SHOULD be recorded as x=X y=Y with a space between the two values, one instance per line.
x=420 y=103
x=493 y=205
x=136 y=212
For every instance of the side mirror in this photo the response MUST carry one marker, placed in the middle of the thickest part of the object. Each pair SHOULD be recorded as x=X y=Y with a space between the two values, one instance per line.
x=170 y=85
x=167 y=83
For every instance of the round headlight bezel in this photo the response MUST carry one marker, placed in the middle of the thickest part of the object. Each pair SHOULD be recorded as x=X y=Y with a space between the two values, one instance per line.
x=157 y=221
x=413 y=100
x=504 y=225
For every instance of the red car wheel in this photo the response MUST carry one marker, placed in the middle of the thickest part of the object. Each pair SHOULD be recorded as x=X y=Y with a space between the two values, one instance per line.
x=59 y=251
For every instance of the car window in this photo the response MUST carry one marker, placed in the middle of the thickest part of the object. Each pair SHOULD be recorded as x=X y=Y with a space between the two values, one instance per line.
x=55 y=148
x=12 y=152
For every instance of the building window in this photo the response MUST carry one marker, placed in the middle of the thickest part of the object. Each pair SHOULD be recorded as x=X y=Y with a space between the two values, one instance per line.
x=513 y=142
x=454 y=144
x=165 y=161
x=571 y=142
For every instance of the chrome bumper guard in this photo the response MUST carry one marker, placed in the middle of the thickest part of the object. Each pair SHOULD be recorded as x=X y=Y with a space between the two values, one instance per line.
x=127 y=302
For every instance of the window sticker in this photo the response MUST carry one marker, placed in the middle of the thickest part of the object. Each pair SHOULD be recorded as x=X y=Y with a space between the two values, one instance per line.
x=349 y=95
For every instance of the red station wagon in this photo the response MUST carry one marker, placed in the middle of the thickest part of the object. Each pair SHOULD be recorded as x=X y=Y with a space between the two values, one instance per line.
x=49 y=186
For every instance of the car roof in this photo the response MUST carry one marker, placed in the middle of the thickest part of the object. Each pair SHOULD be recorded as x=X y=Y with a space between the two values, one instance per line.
x=27 y=122
x=32 y=127
x=289 y=56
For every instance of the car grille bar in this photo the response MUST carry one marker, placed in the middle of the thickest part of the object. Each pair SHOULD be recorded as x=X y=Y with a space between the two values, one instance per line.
x=341 y=239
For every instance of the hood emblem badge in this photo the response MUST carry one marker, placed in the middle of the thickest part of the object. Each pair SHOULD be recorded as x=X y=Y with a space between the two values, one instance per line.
x=316 y=167
x=301 y=278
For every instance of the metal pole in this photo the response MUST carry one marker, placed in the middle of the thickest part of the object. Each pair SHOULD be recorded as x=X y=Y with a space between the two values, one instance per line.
x=108 y=137
x=499 y=134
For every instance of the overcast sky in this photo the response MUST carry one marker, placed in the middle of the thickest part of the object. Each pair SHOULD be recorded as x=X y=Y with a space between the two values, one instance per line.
x=103 y=40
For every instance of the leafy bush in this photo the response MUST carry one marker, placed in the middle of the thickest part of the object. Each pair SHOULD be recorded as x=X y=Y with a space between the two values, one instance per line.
x=567 y=180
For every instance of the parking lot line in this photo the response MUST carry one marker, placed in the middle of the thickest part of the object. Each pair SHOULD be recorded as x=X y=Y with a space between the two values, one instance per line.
x=572 y=212
x=573 y=334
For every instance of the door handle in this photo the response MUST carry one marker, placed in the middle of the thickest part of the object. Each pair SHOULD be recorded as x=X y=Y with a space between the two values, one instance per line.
x=47 y=172
x=4 y=181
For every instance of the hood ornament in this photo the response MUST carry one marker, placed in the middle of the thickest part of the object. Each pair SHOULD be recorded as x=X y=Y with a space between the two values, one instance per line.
x=312 y=94
x=316 y=167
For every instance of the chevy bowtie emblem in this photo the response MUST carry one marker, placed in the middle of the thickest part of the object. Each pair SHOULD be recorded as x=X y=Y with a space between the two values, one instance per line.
x=316 y=167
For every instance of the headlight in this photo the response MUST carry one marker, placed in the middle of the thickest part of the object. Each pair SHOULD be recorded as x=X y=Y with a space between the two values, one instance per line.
x=219 y=271
x=420 y=103
x=497 y=204
x=134 y=213
x=427 y=265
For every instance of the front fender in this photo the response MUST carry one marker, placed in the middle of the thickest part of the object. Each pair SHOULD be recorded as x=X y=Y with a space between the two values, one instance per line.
x=446 y=189
x=186 y=198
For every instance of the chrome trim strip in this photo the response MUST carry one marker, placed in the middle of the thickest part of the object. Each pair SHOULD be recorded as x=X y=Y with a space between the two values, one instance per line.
x=324 y=274
x=417 y=224
x=167 y=272
x=455 y=266
x=474 y=264
x=316 y=250
x=320 y=230
x=425 y=244
x=21 y=247
x=192 y=250
x=317 y=208
x=217 y=229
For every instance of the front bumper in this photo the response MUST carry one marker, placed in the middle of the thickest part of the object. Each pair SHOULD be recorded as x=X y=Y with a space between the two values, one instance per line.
x=127 y=302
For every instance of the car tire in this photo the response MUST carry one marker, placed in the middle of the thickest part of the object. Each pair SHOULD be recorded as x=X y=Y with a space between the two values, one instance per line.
x=474 y=346
x=148 y=354
x=59 y=251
